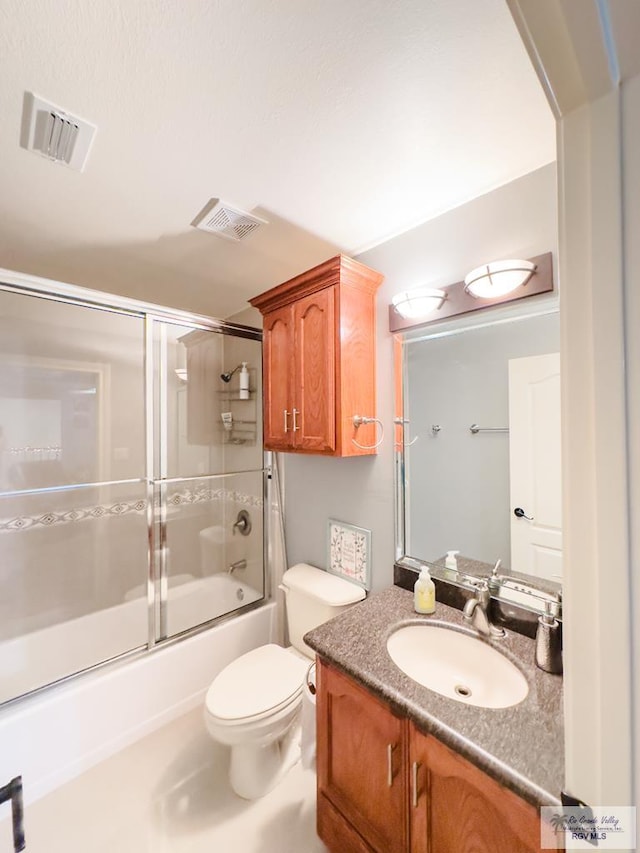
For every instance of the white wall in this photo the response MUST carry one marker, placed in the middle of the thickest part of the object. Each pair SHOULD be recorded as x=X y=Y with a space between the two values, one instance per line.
x=594 y=96
x=631 y=207
x=516 y=220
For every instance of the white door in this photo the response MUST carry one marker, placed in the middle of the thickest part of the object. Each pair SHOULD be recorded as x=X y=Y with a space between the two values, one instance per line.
x=535 y=465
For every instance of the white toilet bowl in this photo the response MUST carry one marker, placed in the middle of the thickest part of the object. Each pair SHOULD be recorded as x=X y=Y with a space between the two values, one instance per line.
x=253 y=706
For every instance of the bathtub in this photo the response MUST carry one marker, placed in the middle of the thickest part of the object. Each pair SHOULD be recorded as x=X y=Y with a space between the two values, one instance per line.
x=52 y=736
x=47 y=655
x=196 y=601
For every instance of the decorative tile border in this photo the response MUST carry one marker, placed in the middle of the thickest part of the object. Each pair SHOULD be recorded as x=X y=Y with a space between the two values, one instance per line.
x=185 y=497
x=49 y=519
x=205 y=495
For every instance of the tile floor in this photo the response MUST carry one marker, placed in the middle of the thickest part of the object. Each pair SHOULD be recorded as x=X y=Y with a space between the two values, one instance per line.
x=168 y=793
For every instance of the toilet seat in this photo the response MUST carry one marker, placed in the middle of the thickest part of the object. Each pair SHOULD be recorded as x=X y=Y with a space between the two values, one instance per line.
x=258 y=684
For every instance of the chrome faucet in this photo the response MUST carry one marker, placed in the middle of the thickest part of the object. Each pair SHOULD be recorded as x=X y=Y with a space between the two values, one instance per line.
x=239 y=564
x=475 y=612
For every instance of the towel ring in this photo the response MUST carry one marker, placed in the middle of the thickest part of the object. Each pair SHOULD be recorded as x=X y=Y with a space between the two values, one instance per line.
x=358 y=421
x=403 y=422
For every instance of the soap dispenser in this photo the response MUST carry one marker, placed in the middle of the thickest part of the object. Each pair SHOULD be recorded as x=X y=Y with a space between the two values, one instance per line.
x=549 y=642
x=424 y=593
x=451 y=563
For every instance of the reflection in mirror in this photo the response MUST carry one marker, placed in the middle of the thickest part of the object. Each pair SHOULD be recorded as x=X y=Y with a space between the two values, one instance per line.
x=482 y=448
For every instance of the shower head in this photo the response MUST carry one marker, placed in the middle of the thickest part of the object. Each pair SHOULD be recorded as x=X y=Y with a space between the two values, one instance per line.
x=226 y=377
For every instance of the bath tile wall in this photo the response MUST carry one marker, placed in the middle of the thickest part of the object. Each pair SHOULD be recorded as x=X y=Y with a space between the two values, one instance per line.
x=200 y=534
x=66 y=554
x=201 y=512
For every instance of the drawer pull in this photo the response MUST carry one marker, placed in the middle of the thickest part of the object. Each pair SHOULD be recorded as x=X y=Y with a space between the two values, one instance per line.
x=295 y=420
x=390 y=749
x=286 y=426
x=414 y=783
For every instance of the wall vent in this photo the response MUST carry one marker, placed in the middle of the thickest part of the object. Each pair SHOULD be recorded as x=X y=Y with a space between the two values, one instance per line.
x=55 y=133
x=221 y=219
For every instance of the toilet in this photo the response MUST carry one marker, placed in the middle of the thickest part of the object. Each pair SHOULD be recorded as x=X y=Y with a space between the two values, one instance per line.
x=254 y=704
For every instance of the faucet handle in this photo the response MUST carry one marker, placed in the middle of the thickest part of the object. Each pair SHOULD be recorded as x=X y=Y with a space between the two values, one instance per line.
x=484 y=593
x=242 y=523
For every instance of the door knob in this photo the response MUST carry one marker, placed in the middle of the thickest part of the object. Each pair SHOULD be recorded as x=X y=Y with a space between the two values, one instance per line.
x=520 y=513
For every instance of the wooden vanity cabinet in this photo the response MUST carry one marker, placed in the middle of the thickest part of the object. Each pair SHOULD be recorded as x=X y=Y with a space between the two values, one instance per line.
x=319 y=359
x=455 y=806
x=437 y=802
x=362 y=769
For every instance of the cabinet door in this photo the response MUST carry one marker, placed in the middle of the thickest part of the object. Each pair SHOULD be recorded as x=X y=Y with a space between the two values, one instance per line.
x=315 y=371
x=455 y=806
x=361 y=766
x=278 y=356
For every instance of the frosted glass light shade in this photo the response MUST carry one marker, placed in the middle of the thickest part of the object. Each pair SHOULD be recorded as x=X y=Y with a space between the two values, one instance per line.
x=498 y=278
x=418 y=302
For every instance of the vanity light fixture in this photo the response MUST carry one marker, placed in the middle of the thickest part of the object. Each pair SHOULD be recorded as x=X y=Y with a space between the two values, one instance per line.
x=498 y=278
x=418 y=302
x=485 y=288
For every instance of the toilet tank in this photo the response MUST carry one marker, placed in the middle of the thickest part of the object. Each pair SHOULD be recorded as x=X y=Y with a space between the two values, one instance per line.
x=313 y=596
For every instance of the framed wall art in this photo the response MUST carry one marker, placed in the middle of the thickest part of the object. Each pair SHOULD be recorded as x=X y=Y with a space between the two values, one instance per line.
x=349 y=552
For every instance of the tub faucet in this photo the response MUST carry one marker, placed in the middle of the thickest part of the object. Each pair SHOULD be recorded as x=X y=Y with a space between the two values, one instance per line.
x=475 y=612
x=239 y=564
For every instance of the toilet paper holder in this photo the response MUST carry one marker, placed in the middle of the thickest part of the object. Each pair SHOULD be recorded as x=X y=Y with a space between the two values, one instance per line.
x=310 y=679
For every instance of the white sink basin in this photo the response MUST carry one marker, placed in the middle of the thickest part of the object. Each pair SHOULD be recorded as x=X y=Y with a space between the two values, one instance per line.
x=457 y=665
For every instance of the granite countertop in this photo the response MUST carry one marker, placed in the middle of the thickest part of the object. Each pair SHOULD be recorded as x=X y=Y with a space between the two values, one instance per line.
x=522 y=747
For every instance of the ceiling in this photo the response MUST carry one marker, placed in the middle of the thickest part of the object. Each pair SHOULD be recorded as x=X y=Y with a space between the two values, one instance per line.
x=341 y=122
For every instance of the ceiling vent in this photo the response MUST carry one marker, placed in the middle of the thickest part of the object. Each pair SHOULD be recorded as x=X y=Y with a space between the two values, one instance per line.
x=221 y=219
x=55 y=134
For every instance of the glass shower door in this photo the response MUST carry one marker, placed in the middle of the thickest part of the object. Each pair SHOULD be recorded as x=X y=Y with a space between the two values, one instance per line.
x=73 y=491
x=208 y=476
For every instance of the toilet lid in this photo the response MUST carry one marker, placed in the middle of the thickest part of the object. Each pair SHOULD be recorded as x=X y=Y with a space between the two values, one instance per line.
x=257 y=682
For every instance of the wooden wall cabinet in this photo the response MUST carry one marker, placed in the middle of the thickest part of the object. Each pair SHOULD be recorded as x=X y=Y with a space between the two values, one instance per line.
x=385 y=787
x=319 y=357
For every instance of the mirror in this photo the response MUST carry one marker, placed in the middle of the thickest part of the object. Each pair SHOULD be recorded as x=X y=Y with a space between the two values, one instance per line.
x=480 y=450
